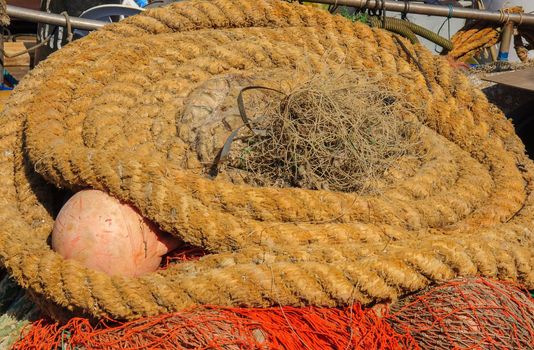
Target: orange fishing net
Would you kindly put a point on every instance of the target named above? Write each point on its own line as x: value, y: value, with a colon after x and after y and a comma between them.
x: 226, y: 328
x: 462, y: 314
x: 181, y: 254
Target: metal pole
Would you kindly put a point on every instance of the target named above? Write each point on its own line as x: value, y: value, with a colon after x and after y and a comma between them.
x: 436, y: 10
x: 507, y: 34
x: 52, y: 18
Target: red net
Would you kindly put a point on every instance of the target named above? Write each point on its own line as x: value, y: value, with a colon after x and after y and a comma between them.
x: 182, y: 254
x: 462, y: 314
x: 468, y: 314
x: 226, y: 328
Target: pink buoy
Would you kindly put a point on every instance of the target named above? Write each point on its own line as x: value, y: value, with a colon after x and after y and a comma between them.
x: 104, y: 234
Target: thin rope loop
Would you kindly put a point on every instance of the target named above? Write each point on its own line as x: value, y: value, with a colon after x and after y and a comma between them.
x: 414, y: 60
x: 504, y: 15
x: 69, y: 26
x: 404, y: 13
x: 520, y: 19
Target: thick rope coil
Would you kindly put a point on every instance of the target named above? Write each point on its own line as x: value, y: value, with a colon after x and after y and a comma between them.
x: 122, y: 110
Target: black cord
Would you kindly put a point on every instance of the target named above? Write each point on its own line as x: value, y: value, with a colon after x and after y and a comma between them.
x: 332, y: 8
x: 378, y: 7
x: 247, y: 122
x: 417, y: 63
x: 365, y: 7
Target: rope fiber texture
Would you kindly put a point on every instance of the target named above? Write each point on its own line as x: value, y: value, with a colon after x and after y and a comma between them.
x: 4, y: 17
x: 133, y: 109
x: 476, y: 36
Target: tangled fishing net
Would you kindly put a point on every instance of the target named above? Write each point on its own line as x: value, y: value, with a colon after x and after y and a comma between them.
x: 471, y: 313
x: 338, y: 131
x: 227, y: 328
x: 468, y: 314
x: 140, y: 109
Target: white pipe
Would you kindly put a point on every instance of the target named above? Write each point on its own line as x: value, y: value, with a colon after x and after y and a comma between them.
x: 52, y: 18
x: 436, y: 10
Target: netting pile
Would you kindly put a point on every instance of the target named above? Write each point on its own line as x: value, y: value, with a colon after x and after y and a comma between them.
x: 473, y: 313
x: 227, y: 328
x: 339, y: 131
x: 468, y: 314
x: 141, y: 108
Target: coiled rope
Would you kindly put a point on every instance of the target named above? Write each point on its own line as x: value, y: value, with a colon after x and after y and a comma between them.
x: 117, y: 111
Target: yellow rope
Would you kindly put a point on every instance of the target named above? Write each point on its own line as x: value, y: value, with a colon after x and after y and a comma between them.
x: 4, y: 18
x: 117, y: 111
x: 478, y: 35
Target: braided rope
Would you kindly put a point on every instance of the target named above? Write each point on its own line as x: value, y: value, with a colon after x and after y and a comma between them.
x: 122, y: 120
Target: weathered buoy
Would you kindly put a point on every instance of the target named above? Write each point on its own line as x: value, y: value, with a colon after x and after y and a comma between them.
x: 104, y: 234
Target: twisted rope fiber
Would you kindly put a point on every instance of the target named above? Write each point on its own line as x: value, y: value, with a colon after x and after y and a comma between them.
x: 4, y: 17
x: 477, y: 35
x: 132, y: 121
